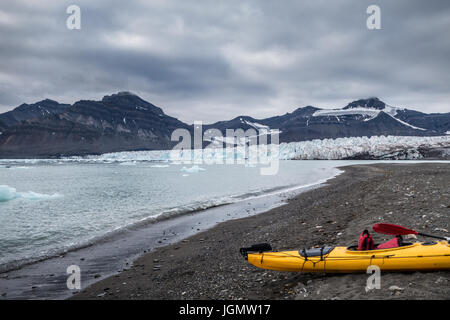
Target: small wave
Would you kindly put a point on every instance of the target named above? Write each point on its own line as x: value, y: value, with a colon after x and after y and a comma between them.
x: 14, y: 167
x: 8, y: 193
x: 65, y: 248
x: 128, y: 163
x: 225, y: 200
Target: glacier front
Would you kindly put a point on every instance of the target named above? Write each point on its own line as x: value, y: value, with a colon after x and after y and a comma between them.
x: 376, y: 147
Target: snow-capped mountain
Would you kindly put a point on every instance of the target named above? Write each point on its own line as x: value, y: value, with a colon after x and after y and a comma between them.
x: 125, y: 122
x: 365, y: 117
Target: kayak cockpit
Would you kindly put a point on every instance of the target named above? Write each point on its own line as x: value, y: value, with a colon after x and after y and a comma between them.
x: 403, y: 246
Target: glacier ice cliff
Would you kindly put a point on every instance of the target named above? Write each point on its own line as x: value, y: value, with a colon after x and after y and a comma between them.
x: 376, y: 147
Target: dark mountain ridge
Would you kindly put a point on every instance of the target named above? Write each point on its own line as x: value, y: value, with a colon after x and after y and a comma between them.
x: 118, y: 122
x: 125, y: 122
x: 31, y: 111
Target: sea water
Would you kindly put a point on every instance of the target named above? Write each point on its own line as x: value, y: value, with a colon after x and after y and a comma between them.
x: 52, y: 206
x: 47, y: 207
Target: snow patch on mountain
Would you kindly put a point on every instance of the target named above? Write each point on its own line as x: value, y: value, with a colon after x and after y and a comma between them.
x: 255, y: 125
x: 261, y: 128
x: 368, y: 113
x: 407, y: 124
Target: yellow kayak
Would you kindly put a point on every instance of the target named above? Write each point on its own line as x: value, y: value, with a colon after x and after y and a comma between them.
x: 420, y: 256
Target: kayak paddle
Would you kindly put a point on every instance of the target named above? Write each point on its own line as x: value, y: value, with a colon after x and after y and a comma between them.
x: 392, y: 229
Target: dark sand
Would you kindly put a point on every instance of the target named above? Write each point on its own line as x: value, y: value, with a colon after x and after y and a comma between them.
x: 209, y: 266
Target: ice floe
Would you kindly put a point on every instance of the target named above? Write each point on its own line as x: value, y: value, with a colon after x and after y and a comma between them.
x: 8, y: 193
x: 193, y: 169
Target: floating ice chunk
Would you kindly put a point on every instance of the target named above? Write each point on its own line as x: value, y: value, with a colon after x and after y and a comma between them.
x: 160, y: 166
x: 193, y: 169
x: 8, y: 193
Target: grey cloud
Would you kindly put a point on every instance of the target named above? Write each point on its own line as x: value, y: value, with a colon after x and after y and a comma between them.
x: 213, y: 60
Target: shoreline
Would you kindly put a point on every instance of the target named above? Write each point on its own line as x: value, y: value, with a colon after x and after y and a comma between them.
x: 124, y: 254
x: 208, y: 265
x: 116, y: 252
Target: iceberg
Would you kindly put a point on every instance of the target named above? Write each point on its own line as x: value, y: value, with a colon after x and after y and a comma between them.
x: 8, y: 193
x: 193, y: 169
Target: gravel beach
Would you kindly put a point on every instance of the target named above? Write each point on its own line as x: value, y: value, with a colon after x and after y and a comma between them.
x: 209, y: 266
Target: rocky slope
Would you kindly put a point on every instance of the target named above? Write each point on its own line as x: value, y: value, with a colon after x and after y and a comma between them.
x: 30, y: 111
x: 118, y: 122
x: 365, y: 117
x: 125, y: 122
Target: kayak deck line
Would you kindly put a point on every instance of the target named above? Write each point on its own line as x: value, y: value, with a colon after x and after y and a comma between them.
x: 392, y: 256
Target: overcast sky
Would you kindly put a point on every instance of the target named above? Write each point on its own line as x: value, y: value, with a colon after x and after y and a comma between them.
x: 213, y: 60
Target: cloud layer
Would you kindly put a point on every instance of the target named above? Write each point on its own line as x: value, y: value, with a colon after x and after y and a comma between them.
x: 214, y: 60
